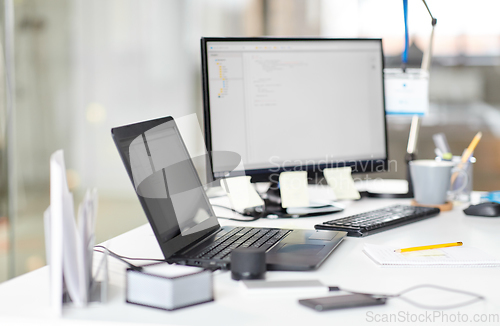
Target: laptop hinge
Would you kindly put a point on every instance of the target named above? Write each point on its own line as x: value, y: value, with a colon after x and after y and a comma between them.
x: 198, y: 242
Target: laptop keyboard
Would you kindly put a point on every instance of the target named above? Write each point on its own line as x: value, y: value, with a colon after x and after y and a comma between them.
x: 242, y: 237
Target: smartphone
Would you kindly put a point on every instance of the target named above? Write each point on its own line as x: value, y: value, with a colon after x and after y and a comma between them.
x: 342, y: 301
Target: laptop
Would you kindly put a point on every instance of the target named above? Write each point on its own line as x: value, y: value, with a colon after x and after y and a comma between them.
x: 181, y: 216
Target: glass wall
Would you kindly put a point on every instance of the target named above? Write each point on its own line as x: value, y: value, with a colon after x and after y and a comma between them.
x: 85, y: 66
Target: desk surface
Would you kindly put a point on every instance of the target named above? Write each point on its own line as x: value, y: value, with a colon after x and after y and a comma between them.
x: 26, y: 298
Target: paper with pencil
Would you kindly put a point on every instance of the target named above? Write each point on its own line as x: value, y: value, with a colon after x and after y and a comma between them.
x: 459, y: 256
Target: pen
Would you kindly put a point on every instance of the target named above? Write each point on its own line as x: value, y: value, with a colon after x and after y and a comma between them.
x: 442, y: 145
x: 444, y: 245
x: 466, y: 155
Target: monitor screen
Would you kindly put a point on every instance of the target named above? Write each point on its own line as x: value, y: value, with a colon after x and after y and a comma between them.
x: 294, y: 104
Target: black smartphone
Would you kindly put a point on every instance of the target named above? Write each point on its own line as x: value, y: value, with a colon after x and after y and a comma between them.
x: 342, y: 301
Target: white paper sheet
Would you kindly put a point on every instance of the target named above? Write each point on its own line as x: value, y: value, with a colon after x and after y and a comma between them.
x: 462, y: 256
x: 69, y: 250
x: 57, y: 186
x: 86, y: 227
x: 72, y: 255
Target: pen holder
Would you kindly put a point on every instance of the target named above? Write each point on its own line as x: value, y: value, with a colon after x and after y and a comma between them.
x: 458, y: 191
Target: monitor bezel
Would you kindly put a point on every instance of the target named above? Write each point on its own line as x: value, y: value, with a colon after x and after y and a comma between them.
x: 314, y: 170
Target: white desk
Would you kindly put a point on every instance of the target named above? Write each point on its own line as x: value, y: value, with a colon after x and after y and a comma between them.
x: 25, y: 299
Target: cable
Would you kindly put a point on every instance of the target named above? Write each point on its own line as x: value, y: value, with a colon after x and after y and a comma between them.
x: 122, y: 258
x: 229, y: 208
x: 239, y: 219
x: 416, y: 304
x: 272, y: 215
x: 125, y: 257
x: 253, y: 218
x: 139, y: 268
x: 216, y: 196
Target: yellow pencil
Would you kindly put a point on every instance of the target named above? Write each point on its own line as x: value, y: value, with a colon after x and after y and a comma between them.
x: 466, y: 155
x: 444, y: 245
x: 472, y: 146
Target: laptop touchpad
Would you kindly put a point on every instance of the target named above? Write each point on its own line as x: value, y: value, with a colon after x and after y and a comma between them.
x: 301, y: 249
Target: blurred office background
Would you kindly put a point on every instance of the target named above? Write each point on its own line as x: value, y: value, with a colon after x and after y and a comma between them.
x: 85, y: 66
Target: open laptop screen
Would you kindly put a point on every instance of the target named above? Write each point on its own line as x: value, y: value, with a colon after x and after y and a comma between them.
x: 166, y: 182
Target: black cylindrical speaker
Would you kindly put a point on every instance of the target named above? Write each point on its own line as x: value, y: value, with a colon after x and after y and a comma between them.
x: 248, y: 264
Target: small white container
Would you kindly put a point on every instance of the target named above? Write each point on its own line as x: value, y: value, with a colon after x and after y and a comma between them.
x: 169, y: 287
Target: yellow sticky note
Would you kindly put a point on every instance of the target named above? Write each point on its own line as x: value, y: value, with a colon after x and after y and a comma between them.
x: 341, y: 182
x: 293, y: 189
x: 241, y: 193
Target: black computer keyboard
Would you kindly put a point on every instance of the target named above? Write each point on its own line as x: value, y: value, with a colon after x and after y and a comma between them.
x: 379, y: 220
x: 242, y: 237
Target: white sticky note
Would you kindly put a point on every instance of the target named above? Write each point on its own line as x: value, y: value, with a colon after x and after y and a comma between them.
x: 241, y: 193
x: 341, y: 182
x: 293, y: 188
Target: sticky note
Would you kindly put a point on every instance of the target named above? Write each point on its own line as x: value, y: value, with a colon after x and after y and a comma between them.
x: 241, y: 193
x: 293, y: 188
x: 341, y: 182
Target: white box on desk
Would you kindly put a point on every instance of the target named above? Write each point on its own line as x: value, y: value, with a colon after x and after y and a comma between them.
x: 169, y: 287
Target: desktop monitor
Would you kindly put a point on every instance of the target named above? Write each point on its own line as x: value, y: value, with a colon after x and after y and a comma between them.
x: 288, y: 104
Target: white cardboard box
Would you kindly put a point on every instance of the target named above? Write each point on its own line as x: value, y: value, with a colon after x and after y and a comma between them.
x: 169, y: 287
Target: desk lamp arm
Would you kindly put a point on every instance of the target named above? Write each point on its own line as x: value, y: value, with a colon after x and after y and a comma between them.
x: 426, y: 60
x: 411, y: 150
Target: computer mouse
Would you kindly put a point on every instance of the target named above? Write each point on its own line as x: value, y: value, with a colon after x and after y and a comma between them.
x: 488, y: 209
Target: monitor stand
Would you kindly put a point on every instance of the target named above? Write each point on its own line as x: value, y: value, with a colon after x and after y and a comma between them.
x: 272, y: 207
x: 409, y: 194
